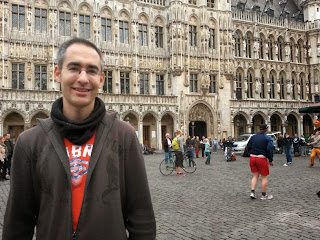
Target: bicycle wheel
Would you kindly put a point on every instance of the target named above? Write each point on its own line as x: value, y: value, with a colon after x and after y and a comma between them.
x: 189, y: 168
x: 166, y: 168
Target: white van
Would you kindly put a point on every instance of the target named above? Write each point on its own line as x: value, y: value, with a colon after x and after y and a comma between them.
x: 241, y: 142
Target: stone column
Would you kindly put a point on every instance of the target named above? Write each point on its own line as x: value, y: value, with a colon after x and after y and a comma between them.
x: 300, y: 126
x: 140, y: 131
x: 159, y: 134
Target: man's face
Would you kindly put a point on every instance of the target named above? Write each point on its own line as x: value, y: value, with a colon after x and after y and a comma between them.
x: 2, y: 140
x: 79, y: 89
x: 7, y: 137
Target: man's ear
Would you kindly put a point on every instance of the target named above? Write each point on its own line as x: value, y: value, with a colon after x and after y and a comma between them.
x: 57, y: 73
x: 101, y: 80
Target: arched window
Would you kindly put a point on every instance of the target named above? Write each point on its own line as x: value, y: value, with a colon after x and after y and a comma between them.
x: 237, y: 42
x: 106, y: 26
x: 193, y: 35
x: 65, y: 19
x: 263, y: 85
x: 282, y: 85
x: 302, y: 86
x: 250, y: 85
x: 293, y: 85
x: 272, y: 86
x: 84, y: 22
x: 300, y: 51
x: 270, y: 48
x: 239, y: 84
x: 292, y: 51
x: 249, y: 42
x: 262, y: 47
x: 280, y: 49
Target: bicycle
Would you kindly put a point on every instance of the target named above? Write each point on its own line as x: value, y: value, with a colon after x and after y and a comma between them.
x: 188, y: 165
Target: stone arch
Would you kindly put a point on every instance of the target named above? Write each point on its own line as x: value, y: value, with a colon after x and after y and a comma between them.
x: 86, y: 8
x: 13, y: 122
x: 9, y: 111
x: 143, y: 18
x: 240, y: 123
x: 65, y: 5
x: 149, y: 121
x: 153, y: 113
x: 106, y: 11
x: 124, y: 15
x: 42, y: 3
x: 37, y: 114
x: 258, y: 118
x: 201, y: 113
x: 167, y: 124
x: 213, y: 22
x: 194, y: 19
x: 173, y: 115
x: 133, y: 112
x: 307, y: 128
x: 159, y: 20
x: 293, y: 123
x: 131, y: 117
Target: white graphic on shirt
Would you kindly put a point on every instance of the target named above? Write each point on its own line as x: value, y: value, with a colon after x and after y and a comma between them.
x: 79, y: 167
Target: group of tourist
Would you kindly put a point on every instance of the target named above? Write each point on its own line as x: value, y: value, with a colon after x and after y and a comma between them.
x: 6, y: 151
x: 299, y: 146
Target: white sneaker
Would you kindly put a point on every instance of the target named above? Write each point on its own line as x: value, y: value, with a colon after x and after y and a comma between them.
x: 253, y: 195
x: 285, y: 165
x: 266, y: 197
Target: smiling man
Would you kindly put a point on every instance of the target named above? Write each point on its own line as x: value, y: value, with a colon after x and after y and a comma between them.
x: 80, y: 174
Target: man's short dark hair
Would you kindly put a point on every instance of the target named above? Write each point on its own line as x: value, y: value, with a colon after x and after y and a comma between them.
x: 64, y: 46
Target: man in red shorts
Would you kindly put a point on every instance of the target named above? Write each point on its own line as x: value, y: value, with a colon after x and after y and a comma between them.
x: 260, y: 147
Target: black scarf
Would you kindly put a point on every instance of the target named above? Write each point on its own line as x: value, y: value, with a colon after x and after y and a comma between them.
x: 78, y: 132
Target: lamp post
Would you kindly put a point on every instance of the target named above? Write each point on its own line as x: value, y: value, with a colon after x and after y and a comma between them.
x: 192, y: 128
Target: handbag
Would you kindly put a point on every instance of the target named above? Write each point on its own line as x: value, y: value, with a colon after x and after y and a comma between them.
x: 233, y: 157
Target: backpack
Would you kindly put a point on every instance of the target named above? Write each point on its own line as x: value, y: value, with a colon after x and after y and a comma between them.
x: 175, y: 144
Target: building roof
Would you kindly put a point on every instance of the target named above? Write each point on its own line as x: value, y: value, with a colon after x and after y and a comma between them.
x: 289, y: 8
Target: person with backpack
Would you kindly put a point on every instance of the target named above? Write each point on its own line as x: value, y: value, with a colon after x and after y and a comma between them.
x: 177, y: 146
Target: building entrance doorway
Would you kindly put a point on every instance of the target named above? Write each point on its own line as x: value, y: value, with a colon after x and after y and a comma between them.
x: 198, y: 128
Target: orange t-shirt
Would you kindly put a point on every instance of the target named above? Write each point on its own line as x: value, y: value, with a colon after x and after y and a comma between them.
x: 79, y: 158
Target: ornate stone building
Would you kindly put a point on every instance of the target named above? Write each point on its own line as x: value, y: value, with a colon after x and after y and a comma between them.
x: 213, y: 68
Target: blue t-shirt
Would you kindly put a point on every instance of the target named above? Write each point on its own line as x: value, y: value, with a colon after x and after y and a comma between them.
x: 207, y: 145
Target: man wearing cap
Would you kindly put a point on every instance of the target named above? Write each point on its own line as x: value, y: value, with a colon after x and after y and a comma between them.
x: 260, y: 147
x: 315, y: 141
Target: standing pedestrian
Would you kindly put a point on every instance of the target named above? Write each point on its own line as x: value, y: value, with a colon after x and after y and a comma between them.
x: 207, y: 150
x: 303, y: 145
x: 296, y: 145
x: 280, y: 143
x: 167, y: 142
x: 197, y: 146
x: 215, y: 145
x: 179, y: 153
x: 287, y: 145
x: 3, y: 160
x: 80, y: 174
x: 9, y: 145
x: 202, y: 145
x: 315, y: 142
x: 261, y: 150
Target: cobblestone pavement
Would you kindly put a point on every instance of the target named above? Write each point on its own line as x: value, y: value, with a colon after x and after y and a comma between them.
x: 214, y: 202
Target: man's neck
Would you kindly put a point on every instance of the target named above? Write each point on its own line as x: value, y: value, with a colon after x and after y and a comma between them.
x: 77, y: 115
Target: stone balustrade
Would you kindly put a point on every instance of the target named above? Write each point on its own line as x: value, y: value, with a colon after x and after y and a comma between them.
x: 50, y: 96
x: 267, y: 20
x: 263, y: 104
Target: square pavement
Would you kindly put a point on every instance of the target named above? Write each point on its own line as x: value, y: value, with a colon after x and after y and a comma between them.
x: 214, y: 203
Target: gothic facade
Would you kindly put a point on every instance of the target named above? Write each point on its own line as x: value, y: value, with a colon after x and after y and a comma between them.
x: 206, y: 67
